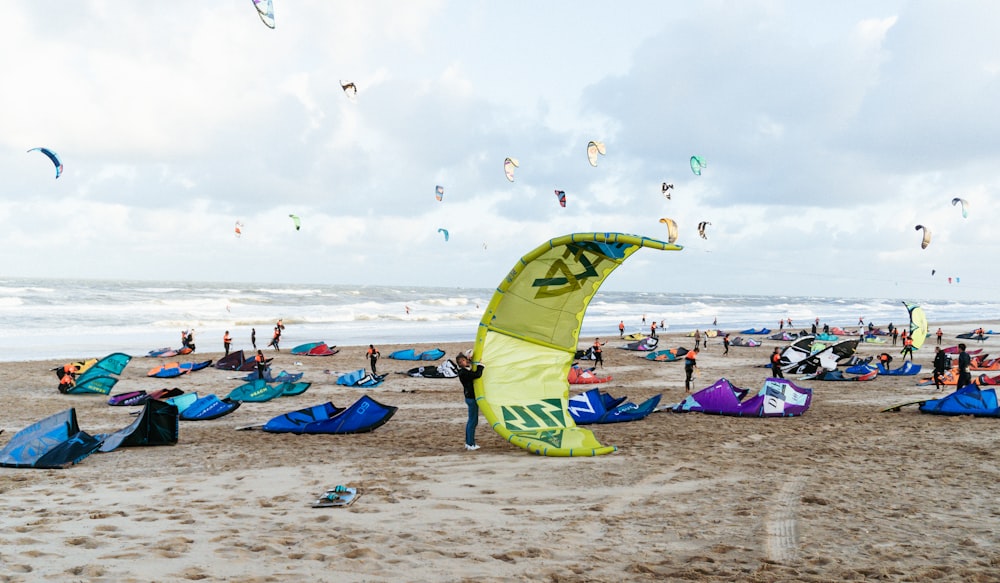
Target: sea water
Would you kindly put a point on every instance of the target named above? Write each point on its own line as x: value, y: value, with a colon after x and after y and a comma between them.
x: 43, y: 319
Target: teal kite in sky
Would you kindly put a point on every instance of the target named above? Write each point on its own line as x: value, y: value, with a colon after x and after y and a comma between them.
x: 52, y: 156
x: 697, y: 163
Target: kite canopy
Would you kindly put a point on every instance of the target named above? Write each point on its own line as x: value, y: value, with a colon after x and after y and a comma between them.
x: 918, y: 324
x: 445, y: 232
x: 509, y: 165
x: 697, y: 163
x: 297, y: 221
x: 561, y: 197
x: 926, y: 240
x: 52, y: 156
x: 671, y: 229
x: 529, y: 333
x: 593, y: 149
x: 265, y: 9
x: 965, y: 206
x: 439, y: 192
x: 350, y: 90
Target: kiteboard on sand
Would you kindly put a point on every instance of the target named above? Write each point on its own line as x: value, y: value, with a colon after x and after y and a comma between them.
x: 901, y: 405
x: 338, y: 496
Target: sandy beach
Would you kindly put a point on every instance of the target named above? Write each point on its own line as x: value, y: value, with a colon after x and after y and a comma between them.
x: 844, y: 492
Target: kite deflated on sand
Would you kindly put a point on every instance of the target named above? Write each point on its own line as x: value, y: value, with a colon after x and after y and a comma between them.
x: 528, y: 338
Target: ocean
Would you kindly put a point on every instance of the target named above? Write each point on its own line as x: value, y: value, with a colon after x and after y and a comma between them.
x: 42, y: 319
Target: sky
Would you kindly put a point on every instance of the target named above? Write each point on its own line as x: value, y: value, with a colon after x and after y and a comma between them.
x: 830, y: 130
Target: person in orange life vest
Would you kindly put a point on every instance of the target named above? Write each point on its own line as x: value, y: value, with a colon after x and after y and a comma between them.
x: 776, y: 364
x: 908, y: 348
x: 621, y: 328
x: 373, y: 355
x: 690, y: 365
x: 226, y: 342
x: 67, y: 382
x: 598, y: 358
x: 261, y: 364
x: 276, y: 338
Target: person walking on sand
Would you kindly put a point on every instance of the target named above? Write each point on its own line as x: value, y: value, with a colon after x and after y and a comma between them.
x: 621, y: 328
x: 725, y: 343
x: 598, y: 357
x: 697, y: 337
x: 227, y: 341
x: 690, y: 366
x: 372, y: 355
x: 781, y: 324
x: 276, y: 339
x: 253, y: 338
x: 467, y: 377
x: 964, y: 365
x: 776, y: 364
x: 940, y: 364
x: 939, y: 334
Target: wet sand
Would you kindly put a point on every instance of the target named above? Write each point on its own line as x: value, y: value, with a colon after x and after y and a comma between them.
x: 844, y: 492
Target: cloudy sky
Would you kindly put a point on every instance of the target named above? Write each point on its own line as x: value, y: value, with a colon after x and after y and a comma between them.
x: 830, y: 131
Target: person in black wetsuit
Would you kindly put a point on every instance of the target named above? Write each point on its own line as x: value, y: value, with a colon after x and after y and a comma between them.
x: 467, y: 376
x: 964, y: 366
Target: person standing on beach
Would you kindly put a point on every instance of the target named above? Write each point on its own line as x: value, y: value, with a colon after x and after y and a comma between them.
x: 895, y: 335
x: 776, y: 364
x: 652, y: 329
x: 781, y: 324
x: 907, y: 348
x: 725, y: 343
x: 253, y: 338
x: 226, y: 342
x: 939, y: 334
x: 373, y: 355
x: 697, y: 337
x: 598, y: 357
x: 940, y: 364
x: 621, y: 328
x: 261, y: 363
x: 789, y: 323
x: 964, y: 365
x: 467, y: 377
x: 690, y: 366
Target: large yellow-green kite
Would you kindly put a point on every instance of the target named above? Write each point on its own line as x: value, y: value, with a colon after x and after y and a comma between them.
x: 528, y: 339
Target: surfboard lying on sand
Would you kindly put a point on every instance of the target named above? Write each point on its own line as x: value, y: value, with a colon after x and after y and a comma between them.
x: 901, y: 405
x: 338, y: 496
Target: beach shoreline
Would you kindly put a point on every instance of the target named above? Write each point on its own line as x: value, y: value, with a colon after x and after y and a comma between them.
x: 843, y: 492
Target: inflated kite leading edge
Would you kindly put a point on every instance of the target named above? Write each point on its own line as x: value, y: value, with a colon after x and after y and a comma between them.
x: 528, y: 339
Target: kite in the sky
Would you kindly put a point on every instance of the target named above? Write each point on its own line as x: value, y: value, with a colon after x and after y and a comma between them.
x: 445, y: 231
x: 593, y: 149
x: 350, y: 90
x: 701, y: 229
x: 561, y: 195
x: 265, y: 9
x: 508, y: 168
x: 439, y: 192
x: 965, y: 206
x: 297, y: 221
x: 52, y: 156
x: 933, y: 271
x: 697, y: 163
x: 927, y: 236
x: 671, y: 229
x: 238, y: 228
x: 666, y: 189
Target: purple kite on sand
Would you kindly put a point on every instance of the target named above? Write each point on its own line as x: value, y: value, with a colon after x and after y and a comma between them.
x: 777, y: 398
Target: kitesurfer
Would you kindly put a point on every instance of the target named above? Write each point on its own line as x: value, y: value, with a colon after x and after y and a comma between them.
x: 907, y: 348
x: 253, y: 338
x: 261, y: 364
x: 690, y: 365
x: 652, y: 329
x: 964, y: 364
x: 190, y: 340
x: 884, y: 359
x: 895, y: 335
x: 226, y: 342
x: 372, y: 355
x: 940, y: 364
x: 467, y: 376
x: 598, y: 358
x: 781, y: 324
x: 621, y: 328
x: 939, y: 334
x: 776, y: 364
x: 725, y: 343
x: 276, y: 338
